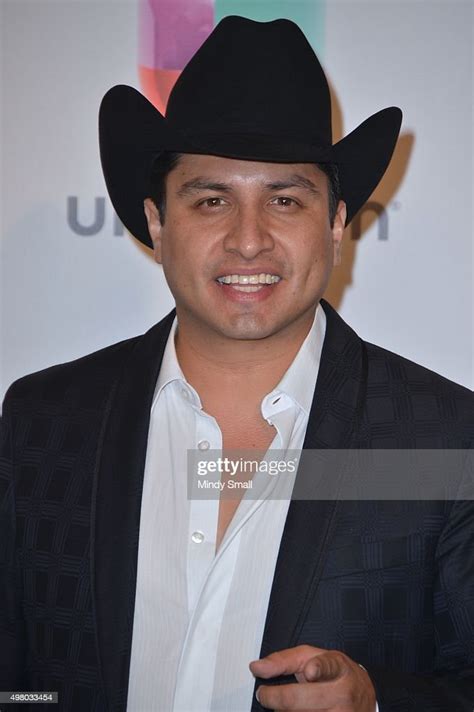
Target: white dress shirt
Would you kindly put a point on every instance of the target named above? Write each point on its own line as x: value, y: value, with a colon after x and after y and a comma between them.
x: 199, y: 615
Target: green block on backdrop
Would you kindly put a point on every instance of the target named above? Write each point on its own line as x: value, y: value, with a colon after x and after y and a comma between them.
x: 308, y: 14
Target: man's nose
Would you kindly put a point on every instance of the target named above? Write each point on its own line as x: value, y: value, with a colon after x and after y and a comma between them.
x: 249, y: 234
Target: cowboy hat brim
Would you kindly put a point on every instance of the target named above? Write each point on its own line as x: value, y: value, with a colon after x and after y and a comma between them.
x: 132, y: 133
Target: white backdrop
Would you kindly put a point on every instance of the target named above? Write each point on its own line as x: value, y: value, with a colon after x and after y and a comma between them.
x: 405, y: 284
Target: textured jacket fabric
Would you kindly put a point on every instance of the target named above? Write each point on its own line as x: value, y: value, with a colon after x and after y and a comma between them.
x: 390, y: 583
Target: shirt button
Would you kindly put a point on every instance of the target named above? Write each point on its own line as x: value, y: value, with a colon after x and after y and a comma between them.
x: 197, y: 537
x: 203, y: 445
x: 185, y: 394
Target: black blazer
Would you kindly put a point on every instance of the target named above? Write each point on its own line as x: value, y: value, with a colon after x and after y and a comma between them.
x: 389, y: 583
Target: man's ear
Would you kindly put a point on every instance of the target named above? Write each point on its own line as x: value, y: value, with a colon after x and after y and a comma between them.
x: 152, y: 215
x: 338, y: 231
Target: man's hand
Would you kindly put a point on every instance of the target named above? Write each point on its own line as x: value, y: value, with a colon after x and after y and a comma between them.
x: 327, y: 680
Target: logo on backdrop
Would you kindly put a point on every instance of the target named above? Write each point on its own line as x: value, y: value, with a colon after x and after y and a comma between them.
x: 97, y: 224
x: 170, y: 32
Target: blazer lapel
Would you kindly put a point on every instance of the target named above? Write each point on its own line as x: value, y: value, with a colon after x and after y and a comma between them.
x: 116, y: 509
x: 337, y: 402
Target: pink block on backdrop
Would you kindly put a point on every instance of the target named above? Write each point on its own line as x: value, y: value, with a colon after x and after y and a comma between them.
x: 170, y: 32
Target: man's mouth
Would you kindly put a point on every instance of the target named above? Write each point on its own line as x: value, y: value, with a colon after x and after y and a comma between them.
x: 249, y: 282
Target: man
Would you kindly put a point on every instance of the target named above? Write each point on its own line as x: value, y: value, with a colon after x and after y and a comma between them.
x: 124, y: 593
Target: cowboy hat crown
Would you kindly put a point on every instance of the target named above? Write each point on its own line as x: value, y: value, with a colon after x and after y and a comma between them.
x: 254, y: 91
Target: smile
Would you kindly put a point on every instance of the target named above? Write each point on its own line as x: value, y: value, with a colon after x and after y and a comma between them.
x: 249, y: 282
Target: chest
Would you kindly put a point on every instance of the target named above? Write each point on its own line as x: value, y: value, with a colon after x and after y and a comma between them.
x: 257, y: 435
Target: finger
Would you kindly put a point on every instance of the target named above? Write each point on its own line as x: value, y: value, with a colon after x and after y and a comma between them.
x: 284, y: 662
x: 301, y: 696
x: 326, y: 666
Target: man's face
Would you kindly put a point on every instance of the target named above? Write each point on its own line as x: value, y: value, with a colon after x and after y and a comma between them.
x: 263, y: 227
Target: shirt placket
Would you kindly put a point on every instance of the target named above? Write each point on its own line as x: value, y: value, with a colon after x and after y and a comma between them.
x: 196, y: 668
x: 203, y: 513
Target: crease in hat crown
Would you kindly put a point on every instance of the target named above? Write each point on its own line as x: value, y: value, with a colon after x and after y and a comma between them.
x: 254, y: 91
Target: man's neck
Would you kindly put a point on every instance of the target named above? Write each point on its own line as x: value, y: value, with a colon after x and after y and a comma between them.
x: 237, y: 371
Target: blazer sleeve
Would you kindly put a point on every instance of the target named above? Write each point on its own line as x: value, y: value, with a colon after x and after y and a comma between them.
x: 451, y: 686
x: 12, y: 632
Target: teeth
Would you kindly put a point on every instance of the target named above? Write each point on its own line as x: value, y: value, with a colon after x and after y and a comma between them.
x: 253, y: 279
x: 248, y: 287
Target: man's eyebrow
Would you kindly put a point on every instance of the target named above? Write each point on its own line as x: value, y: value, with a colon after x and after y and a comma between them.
x: 196, y: 184
x: 202, y: 183
x: 294, y: 181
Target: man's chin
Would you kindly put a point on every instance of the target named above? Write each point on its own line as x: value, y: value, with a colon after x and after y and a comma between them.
x: 249, y: 329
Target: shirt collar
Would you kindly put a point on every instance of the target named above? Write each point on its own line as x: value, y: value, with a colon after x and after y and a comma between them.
x: 299, y: 380
x: 294, y: 383
x: 170, y: 371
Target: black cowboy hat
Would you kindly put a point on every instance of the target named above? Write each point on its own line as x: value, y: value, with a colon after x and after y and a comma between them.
x: 255, y: 91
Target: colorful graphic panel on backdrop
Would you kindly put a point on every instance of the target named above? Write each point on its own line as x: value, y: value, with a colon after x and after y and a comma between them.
x: 170, y: 32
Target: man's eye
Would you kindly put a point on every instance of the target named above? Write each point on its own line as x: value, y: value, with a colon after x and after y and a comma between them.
x: 212, y: 202
x: 283, y: 201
